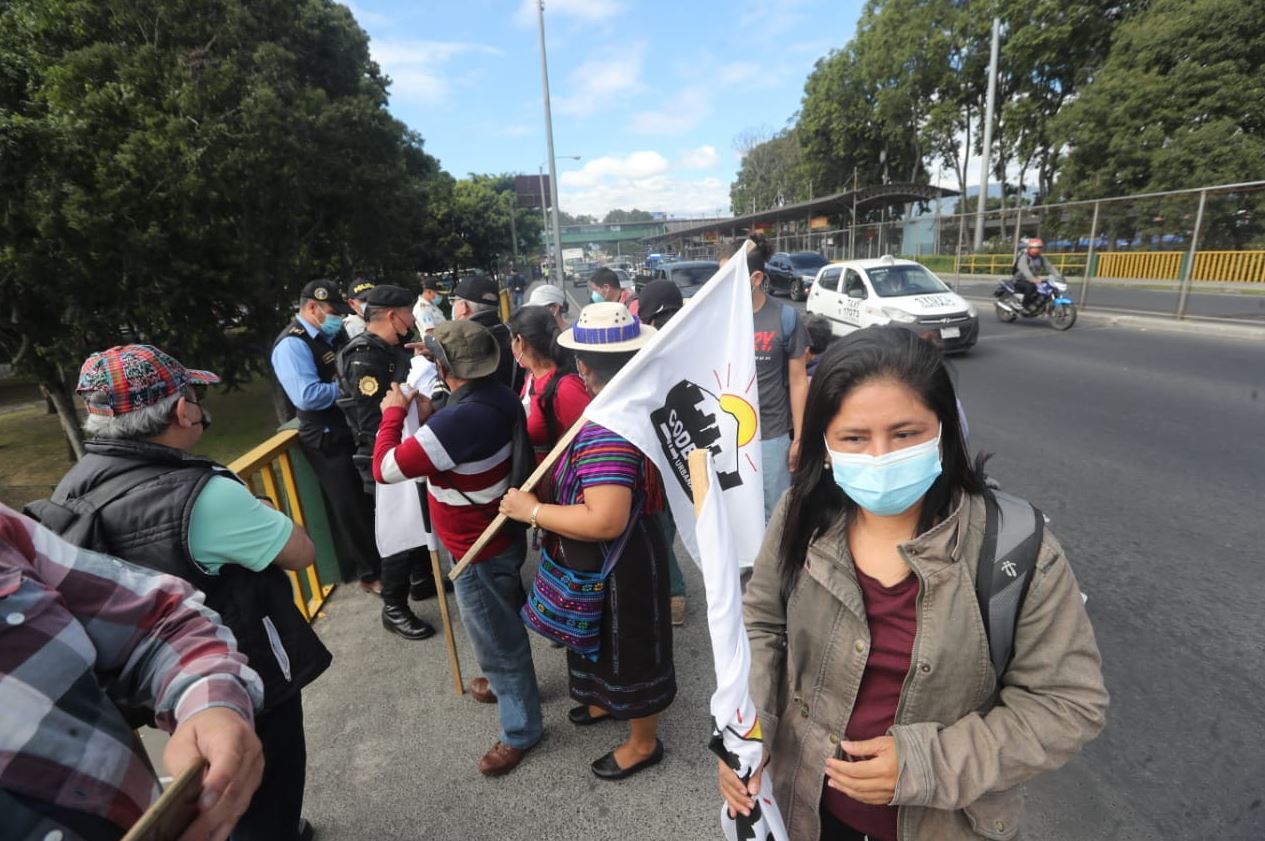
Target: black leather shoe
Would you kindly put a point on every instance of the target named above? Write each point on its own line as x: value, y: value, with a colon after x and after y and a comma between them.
x: 423, y: 589
x: 306, y: 832
x: 608, y: 769
x: 402, y: 621
x: 580, y: 717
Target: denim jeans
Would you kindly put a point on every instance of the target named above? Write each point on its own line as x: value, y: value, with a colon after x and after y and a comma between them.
x: 490, y: 594
x: 777, y: 475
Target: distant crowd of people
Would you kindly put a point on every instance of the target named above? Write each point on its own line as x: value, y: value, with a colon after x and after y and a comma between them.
x: 152, y: 588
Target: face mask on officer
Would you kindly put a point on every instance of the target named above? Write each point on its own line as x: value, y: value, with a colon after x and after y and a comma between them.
x: 330, y: 323
x: 407, y: 336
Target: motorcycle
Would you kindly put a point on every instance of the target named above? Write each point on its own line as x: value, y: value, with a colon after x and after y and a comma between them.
x: 1051, y: 300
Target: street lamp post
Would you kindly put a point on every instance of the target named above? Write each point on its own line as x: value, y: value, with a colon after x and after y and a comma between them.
x: 557, y: 228
x: 553, y: 167
x: 544, y: 213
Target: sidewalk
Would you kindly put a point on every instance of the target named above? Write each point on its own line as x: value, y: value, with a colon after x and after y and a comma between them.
x: 392, y: 752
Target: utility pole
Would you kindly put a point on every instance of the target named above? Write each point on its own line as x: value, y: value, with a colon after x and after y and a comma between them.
x: 852, y: 233
x: 544, y: 214
x: 514, y: 228
x: 988, y: 134
x: 553, y: 166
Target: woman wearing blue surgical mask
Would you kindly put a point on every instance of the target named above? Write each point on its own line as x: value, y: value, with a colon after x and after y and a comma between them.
x: 881, y: 708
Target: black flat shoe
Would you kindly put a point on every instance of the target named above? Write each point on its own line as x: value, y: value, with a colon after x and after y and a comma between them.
x: 579, y: 716
x: 608, y: 769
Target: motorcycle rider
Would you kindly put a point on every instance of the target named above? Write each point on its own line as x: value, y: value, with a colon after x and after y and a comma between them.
x: 1028, y: 269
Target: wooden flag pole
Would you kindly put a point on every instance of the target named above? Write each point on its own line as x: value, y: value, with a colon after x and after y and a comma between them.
x: 454, y: 664
x: 539, y: 473
x: 698, y: 478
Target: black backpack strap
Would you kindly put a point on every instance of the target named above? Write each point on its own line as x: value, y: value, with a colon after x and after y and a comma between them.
x: 1013, y: 532
x: 546, y: 405
x: 59, y: 513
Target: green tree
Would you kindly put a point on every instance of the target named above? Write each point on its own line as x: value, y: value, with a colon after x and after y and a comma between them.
x: 174, y: 170
x: 618, y: 216
x: 772, y: 171
x: 565, y: 218
x: 479, y: 233
x: 1180, y: 102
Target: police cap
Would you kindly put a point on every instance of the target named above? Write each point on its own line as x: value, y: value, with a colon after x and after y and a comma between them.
x: 387, y: 296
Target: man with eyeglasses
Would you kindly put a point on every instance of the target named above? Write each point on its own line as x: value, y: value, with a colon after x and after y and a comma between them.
x: 151, y: 501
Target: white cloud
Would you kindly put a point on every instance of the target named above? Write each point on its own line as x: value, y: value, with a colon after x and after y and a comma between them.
x: 704, y: 157
x: 599, y: 82
x: 367, y: 18
x: 677, y: 196
x: 638, y: 165
x: 418, y: 68
x: 736, y: 74
x: 647, y: 181
x: 683, y: 112
x: 585, y: 10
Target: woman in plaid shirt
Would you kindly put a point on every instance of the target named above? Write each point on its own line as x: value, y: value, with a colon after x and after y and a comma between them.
x: 80, y: 632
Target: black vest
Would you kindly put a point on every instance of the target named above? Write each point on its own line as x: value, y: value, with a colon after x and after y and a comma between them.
x: 367, y: 366
x: 508, y: 373
x: 149, y: 526
x: 313, y: 425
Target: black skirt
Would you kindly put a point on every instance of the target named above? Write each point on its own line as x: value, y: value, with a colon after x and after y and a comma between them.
x: 634, y: 675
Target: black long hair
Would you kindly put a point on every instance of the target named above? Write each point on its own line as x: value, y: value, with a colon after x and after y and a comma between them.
x: 889, y: 353
x: 539, y: 329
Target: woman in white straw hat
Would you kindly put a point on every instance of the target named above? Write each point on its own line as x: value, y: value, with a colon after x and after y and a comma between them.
x: 602, y: 490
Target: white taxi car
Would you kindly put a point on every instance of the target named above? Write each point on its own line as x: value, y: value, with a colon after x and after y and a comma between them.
x: 860, y: 293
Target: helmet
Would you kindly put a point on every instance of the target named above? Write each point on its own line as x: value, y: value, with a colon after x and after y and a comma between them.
x: 1035, y: 242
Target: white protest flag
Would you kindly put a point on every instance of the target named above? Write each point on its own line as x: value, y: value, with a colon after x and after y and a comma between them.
x: 399, y: 523
x: 694, y: 387
x: 737, y: 738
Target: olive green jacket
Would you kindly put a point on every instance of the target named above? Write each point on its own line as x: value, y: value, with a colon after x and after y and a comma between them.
x: 963, y: 749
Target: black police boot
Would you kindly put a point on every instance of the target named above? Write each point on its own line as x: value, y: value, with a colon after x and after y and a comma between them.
x: 400, y: 620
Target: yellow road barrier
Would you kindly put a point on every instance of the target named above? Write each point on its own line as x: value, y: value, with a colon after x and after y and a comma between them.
x: 1229, y: 266
x: 261, y: 468
x: 1140, y: 265
x: 999, y: 264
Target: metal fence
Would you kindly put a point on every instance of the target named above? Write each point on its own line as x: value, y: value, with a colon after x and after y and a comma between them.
x: 1192, y: 254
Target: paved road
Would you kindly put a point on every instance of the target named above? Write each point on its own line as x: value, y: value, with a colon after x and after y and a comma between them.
x: 1144, y: 447
x: 1246, y: 302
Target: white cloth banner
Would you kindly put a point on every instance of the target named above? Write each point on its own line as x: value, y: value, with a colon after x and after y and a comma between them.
x: 733, y: 712
x: 694, y: 386
x: 398, y: 523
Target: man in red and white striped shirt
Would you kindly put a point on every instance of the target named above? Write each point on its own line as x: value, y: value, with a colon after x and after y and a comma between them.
x: 80, y: 632
x: 464, y: 451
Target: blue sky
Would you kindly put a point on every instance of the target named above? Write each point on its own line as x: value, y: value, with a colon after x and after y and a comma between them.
x: 652, y: 94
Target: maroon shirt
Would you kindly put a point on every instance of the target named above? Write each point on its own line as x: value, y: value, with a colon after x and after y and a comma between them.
x: 891, y: 613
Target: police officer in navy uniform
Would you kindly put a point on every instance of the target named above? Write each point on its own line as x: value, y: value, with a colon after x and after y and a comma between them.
x: 367, y: 366
x: 303, y: 361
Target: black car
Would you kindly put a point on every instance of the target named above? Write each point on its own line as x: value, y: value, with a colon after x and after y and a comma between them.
x: 792, y: 273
